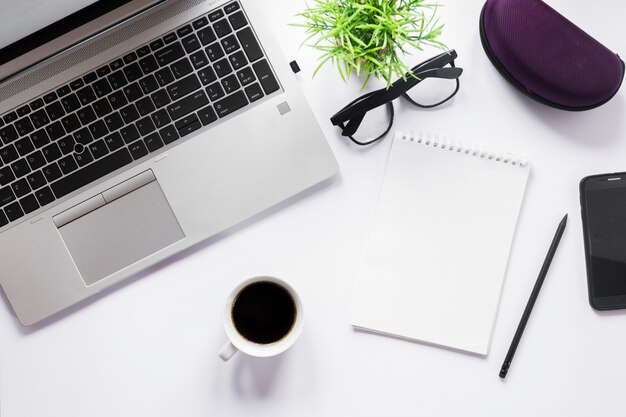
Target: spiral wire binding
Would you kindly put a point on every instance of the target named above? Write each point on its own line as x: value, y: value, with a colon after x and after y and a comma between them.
x: 454, y: 145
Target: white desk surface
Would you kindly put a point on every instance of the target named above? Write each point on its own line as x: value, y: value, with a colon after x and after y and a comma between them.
x: 149, y: 347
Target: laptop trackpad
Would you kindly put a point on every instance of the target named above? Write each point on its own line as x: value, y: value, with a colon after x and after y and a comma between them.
x: 121, y: 233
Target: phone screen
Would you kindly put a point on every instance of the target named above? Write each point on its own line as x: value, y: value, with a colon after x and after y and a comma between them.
x: 604, y: 217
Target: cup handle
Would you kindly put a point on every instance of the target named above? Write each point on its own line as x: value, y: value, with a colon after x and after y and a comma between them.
x: 227, y: 351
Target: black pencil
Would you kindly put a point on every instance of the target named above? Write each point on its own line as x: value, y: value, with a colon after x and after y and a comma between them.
x: 533, y: 298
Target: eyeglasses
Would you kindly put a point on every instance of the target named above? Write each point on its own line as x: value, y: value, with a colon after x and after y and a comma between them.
x: 349, y: 118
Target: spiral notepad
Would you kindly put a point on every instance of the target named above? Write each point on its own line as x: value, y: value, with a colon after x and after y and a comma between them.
x: 439, y: 246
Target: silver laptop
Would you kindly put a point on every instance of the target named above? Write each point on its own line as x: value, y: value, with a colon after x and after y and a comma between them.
x: 133, y: 129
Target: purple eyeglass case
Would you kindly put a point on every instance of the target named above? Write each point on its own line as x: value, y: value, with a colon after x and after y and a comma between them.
x: 547, y: 57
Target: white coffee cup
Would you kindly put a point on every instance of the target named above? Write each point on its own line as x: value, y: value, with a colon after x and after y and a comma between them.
x: 237, y: 342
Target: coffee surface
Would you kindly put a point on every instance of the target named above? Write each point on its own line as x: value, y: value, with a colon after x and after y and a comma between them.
x: 264, y: 312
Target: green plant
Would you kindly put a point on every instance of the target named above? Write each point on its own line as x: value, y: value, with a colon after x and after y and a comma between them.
x: 368, y: 36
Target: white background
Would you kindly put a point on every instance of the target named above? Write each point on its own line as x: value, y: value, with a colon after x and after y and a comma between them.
x: 149, y: 347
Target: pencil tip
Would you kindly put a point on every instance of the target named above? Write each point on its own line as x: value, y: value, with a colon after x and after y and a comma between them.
x: 565, y: 218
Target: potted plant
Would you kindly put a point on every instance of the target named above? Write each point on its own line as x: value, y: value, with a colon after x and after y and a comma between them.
x: 368, y: 37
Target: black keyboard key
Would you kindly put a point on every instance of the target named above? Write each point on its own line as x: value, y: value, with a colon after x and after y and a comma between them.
x: 83, y: 136
x: 55, y: 111
x: 181, y: 68
x: 8, y: 134
x: 68, y: 164
x: 161, y: 98
x: 6, y: 176
x: 37, y: 104
x: 70, y: 103
x: 216, y: 15
x: 231, y: 7
x: 184, y: 31
x: 149, y: 64
x: 222, y: 28
x: 55, y: 131
x: 114, y: 141
x: 207, y: 36
x: 138, y: 149
x: 39, y: 119
x: 207, y: 75
x: 20, y: 188
x: 230, y: 84
x: 149, y: 84
x: 191, y: 127
x: 14, y: 211
x: 215, y: 91
x: 157, y: 44
x: 200, y: 23
x: 169, y: 38
x: 246, y: 76
x: 117, y: 64
x: 230, y: 44
x: 130, y: 133
x: 160, y: 118
x: 133, y: 72
x: 250, y: 44
x: 10, y: 117
x: 86, y: 115
x: 143, y: 51
x: 63, y: 91
x: 230, y: 104
x: 237, y: 20
x: 24, y: 146
x: 66, y: 144
x: 23, y: 111
x: 29, y: 204
x: 89, y: 78
x: 238, y: 60
x: 52, y: 172
x: 8, y: 154
x: 24, y: 126
x: 48, y: 98
x: 199, y: 59
x: 183, y: 87
x: 214, y: 51
x: 191, y: 43
x: 153, y: 142
x: 76, y: 84
x: 83, y: 158
x: 6, y: 196
x: 265, y: 76
x: 133, y: 92
x: 170, y: 54
x: 103, y: 71
x: 36, y: 180
x: 187, y: 105
x: 3, y: 219
x: 40, y: 138
x: 222, y: 68
x: 118, y: 100
x: 114, y: 121
x: 145, y: 106
x: 254, y: 92
x: 20, y: 168
x: 102, y: 107
x: 169, y: 134
x: 98, y: 129
x: 85, y: 96
x: 130, y: 57
x: 145, y: 126
x: 98, y: 149
x: 207, y: 115
x: 51, y: 152
x: 129, y: 113
x: 71, y: 123
x: 117, y: 80
x: 44, y: 196
x: 102, y: 87
x: 164, y: 76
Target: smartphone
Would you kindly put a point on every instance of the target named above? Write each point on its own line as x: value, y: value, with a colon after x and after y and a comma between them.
x: 603, y: 207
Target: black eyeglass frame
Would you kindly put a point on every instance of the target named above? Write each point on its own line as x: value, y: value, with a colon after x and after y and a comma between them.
x: 350, y: 117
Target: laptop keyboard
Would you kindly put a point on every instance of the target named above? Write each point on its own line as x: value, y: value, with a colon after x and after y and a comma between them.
x: 133, y: 106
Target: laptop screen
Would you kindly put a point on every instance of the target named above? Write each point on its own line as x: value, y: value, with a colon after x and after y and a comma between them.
x: 35, y: 22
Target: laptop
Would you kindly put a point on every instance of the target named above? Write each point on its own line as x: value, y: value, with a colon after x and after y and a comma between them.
x: 133, y: 129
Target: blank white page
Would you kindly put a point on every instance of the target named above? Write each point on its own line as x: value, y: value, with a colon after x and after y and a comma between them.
x: 439, y: 246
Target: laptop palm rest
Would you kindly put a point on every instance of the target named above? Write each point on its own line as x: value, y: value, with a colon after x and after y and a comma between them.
x: 121, y: 231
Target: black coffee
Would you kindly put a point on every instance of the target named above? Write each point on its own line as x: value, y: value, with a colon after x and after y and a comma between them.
x: 264, y: 312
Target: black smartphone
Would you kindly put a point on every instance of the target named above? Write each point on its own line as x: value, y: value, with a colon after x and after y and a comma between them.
x: 603, y: 206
